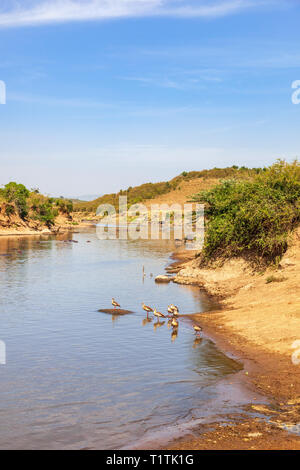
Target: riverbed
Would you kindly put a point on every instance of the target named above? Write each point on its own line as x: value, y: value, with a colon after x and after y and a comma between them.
x: 77, y: 378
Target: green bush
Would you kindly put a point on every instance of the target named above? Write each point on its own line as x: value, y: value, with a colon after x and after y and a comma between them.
x: 64, y: 205
x: 44, y: 212
x: 9, y: 210
x: 253, y: 217
x: 18, y: 194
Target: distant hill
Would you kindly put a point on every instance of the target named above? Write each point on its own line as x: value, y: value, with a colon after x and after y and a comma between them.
x: 85, y: 197
x: 178, y: 188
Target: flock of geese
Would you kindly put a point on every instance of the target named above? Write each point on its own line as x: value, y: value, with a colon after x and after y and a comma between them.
x: 172, y: 316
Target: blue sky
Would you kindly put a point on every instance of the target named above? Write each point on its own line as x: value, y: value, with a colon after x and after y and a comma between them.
x: 106, y: 94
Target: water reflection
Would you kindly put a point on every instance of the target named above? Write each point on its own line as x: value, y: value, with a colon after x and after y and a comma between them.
x: 115, y: 318
x: 146, y: 320
x: 158, y: 324
x: 197, y: 342
x: 70, y: 364
x: 174, y: 334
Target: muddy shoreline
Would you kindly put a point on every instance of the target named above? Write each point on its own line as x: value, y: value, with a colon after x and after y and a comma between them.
x: 268, y: 369
x: 57, y: 230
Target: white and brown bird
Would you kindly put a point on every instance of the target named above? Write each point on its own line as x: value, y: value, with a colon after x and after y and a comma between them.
x: 115, y: 303
x: 170, y: 309
x: 173, y: 309
x: 158, y: 314
x: 197, y: 329
x: 147, y: 308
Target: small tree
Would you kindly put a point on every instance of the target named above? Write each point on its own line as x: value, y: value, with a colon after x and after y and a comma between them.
x: 18, y: 194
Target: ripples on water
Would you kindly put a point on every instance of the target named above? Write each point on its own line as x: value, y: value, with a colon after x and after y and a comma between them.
x: 78, y: 378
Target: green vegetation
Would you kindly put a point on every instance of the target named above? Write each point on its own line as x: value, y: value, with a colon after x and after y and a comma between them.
x: 18, y: 200
x: 9, y: 210
x: 64, y: 205
x: 253, y: 217
x: 16, y: 194
x: 41, y: 208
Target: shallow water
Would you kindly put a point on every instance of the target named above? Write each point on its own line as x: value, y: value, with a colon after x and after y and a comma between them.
x: 78, y: 378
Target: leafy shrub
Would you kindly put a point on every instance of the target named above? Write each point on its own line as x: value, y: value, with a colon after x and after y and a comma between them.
x: 65, y: 205
x: 253, y: 217
x: 9, y: 210
x: 44, y: 212
x: 18, y: 194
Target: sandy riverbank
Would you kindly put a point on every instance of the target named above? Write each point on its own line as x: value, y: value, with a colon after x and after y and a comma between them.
x: 259, y: 322
x: 25, y: 229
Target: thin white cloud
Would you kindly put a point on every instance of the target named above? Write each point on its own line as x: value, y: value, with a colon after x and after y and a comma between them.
x: 184, y: 80
x: 15, y: 13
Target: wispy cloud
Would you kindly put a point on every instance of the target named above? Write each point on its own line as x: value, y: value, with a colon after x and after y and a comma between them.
x: 186, y: 80
x: 15, y: 13
x: 158, y: 82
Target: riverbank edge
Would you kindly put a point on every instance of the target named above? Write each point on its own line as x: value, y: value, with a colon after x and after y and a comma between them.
x: 57, y: 230
x: 269, y: 373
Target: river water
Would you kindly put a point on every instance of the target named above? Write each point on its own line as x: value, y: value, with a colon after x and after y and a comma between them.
x: 77, y: 378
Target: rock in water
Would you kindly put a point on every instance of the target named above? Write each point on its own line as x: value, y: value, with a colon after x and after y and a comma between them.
x: 164, y: 278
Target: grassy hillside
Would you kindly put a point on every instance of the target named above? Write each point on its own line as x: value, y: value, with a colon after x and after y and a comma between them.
x: 149, y: 191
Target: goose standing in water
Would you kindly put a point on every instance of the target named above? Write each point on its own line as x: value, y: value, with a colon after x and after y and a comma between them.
x: 173, y: 309
x: 114, y: 303
x: 147, y: 309
x: 170, y: 310
x: 197, y: 329
x: 158, y: 314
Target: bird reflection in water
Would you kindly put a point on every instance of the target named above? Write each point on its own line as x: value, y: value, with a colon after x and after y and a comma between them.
x: 115, y: 318
x: 146, y: 321
x: 197, y: 342
x: 157, y: 324
x: 174, y: 334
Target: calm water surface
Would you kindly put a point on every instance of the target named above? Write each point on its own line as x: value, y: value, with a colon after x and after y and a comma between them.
x: 78, y: 378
